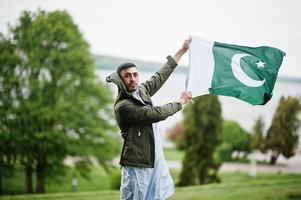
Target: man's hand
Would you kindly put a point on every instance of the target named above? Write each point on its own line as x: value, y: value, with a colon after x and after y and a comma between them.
x: 185, y: 46
x: 185, y: 97
x: 182, y: 50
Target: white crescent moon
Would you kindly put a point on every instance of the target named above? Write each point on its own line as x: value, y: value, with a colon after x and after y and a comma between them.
x: 240, y: 74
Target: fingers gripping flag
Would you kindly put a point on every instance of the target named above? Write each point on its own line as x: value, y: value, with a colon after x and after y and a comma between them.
x: 246, y: 73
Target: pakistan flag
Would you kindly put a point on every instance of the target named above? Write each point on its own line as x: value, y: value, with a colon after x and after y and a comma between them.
x: 246, y: 73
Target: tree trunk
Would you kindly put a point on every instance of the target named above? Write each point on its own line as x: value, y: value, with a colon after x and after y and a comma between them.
x: 40, y: 168
x: 28, y: 179
x: 274, y: 158
x: 203, y: 176
x: 186, y: 176
x: 0, y: 184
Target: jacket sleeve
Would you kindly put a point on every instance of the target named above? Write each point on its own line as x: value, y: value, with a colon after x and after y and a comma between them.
x: 159, y: 78
x: 130, y: 113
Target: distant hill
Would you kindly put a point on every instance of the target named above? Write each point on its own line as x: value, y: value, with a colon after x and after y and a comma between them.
x: 111, y: 62
x: 289, y: 79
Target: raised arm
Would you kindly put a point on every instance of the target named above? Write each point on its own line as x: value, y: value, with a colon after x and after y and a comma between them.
x: 159, y: 78
x: 182, y: 50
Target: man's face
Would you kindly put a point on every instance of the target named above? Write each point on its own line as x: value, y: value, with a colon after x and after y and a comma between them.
x: 130, y: 78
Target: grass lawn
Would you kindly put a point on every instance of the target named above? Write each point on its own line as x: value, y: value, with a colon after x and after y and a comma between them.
x: 173, y: 154
x: 234, y: 186
x: 241, y: 187
x: 98, y: 180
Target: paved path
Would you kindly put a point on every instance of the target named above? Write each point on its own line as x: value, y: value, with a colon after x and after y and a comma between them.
x: 292, y: 165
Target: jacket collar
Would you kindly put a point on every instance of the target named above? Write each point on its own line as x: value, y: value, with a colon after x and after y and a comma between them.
x: 116, y: 79
x: 123, y: 93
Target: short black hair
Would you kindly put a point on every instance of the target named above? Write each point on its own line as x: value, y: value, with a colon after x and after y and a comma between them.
x: 125, y: 66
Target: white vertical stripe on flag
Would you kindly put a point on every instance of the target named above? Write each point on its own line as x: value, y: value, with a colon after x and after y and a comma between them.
x: 201, y: 66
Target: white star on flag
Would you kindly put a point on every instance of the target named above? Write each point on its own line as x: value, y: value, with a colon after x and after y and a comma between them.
x: 260, y: 64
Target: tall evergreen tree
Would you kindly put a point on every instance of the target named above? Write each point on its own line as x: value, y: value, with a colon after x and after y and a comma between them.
x: 202, y: 126
x: 282, y: 136
x: 58, y: 107
x: 257, y: 140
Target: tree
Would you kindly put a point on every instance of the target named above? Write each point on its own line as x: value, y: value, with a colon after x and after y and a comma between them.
x: 202, y: 126
x: 58, y: 108
x: 8, y: 146
x: 174, y: 133
x: 233, y: 138
x: 282, y: 136
x: 257, y: 141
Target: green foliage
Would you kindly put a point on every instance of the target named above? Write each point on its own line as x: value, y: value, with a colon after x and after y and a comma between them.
x: 233, y: 138
x: 282, y: 136
x: 235, y: 135
x: 51, y: 103
x: 202, y: 125
x: 115, y: 178
x: 8, y: 147
x: 224, y: 152
x: 257, y: 141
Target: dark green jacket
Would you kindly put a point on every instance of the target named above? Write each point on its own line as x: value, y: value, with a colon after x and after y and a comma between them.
x: 135, y: 118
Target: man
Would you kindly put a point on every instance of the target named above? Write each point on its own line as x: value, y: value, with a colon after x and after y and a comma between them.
x: 145, y: 175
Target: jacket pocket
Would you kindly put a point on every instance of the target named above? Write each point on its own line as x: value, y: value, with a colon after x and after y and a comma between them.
x: 137, y: 147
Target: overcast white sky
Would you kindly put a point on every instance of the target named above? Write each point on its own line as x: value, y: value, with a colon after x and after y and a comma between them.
x: 150, y: 30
